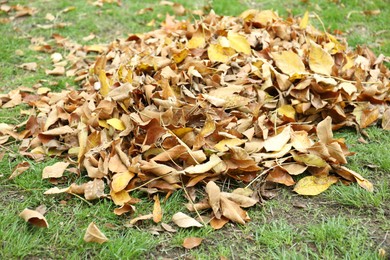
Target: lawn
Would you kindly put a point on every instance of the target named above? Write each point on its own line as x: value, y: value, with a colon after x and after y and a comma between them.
x: 344, y: 222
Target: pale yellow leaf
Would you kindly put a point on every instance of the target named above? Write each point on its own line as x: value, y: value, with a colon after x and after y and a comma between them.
x: 116, y: 123
x: 309, y: 159
x: 214, y: 197
x: 305, y: 20
x: 121, y: 180
x: 54, y: 171
x: 288, y: 62
x: 185, y: 221
x: 320, y: 61
x: 277, y: 142
x: 238, y: 42
x: 224, y: 144
x: 217, y: 53
x: 324, y: 130
x: 312, y: 185
x: 104, y: 87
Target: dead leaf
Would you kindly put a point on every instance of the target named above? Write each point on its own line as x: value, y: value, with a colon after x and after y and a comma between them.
x: 312, y: 185
x: 94, y: 235
x: 34, y: 217
x: 192, y: 242
x: 19, y: 169
x: 320, y: 61
x: 184, y: 221
x: 214, y: 197
x: 157, y: 211
x: 54, y: 171
x: 289, y: 62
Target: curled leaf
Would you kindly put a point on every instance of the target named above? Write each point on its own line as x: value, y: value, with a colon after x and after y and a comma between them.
x: 94, y: 235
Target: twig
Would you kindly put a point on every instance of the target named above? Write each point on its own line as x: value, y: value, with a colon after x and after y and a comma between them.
x: 78, y: 196
x: 191, y: 201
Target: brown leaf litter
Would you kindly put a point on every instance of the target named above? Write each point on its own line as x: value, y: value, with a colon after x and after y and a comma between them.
x: 253, y: 98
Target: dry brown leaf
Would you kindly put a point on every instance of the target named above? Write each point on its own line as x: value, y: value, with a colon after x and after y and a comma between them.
x: 54, y: 171
x: 34, y: 217
x: 94, y: 235
x: 232, y: 211
x: 277, y: 142
x: 214, y: 197
x: 157, y: 211
x: 289, y: 62
x: 19, y: 169
x: 192, y: 242
x: 185, y: 221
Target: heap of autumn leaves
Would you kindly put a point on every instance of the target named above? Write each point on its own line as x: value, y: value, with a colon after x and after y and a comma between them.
x: 253, y: 98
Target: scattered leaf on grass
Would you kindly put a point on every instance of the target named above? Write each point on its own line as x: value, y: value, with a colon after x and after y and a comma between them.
x: 93, y: 234
x: 313, y: 185
x: 185, y: 221
x: 34, y: 217
x: 191, y: 242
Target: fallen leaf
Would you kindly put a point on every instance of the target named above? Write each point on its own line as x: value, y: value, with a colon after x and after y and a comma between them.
x: 54, y: 171
x: 192, y: 242
x: 34, y: 217
x: 320, y: 61
x: 184, y: 221
x: 157, y: 211
x: 289, y: 62
x: 19, y: 169
x: 312, y: 185
x: 94, y: 235
x: 214, y: 197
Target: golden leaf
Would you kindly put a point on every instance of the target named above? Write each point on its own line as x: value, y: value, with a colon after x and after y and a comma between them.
x: 157, y: 212
x: 305, y: 20
x: 116, y: 123
x: 104, y: 87
x: 121, y: 180
x: 217, y: 53
x: 239, y: 43
x: 320, y: 61
x: 288, y: 62
x: 312, y: 185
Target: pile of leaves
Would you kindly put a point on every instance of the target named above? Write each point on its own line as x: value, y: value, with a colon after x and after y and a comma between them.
x: 252, y: 98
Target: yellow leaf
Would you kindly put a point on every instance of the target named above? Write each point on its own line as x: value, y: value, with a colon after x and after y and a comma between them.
x: 104, y: 89
x: 179, y: 57
x: 180, y: 132
x: 120, y: 198
x: 121, y: 180
x: 305, y: 20
x: 103, y: 123
x: 287, y: 111
x: 288, y: 62
x: 223, y: 144
x: 217, y: 53
x: 116, y: 123
x: 320, y: 61
x: 197, y: 41
x: 312, y: 185
x: 239, y: 42
x: 309, y: 160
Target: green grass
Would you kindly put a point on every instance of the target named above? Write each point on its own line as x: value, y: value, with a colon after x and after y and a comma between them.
x: 345, y: 222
